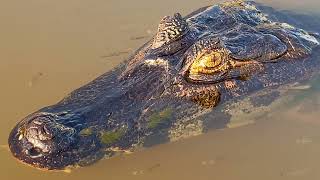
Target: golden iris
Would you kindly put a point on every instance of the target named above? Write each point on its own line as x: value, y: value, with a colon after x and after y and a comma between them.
x: 208, y: 63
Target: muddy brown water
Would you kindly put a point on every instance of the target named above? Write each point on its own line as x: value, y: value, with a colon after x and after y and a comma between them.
x: 49, y: 48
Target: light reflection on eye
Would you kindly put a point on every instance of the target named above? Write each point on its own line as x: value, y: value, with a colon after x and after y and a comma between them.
x: 209, y: 63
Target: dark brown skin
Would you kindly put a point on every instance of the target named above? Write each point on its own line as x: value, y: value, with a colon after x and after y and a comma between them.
x: 213, y: 56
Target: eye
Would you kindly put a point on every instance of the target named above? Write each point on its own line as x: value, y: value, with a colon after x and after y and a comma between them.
x: 213, y: 61
x: 209, y: 61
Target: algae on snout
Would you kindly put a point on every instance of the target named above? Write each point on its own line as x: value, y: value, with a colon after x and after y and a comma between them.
x: 109, y: 137
x: 86, y: 132
x: 159, y: 117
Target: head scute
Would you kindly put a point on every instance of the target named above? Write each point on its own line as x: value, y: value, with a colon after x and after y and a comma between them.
x: 170, y: 29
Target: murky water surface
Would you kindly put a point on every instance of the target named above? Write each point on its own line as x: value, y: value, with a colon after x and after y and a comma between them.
x: 49, y: 48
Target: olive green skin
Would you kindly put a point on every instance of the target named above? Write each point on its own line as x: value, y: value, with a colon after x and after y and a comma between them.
x: 147, y: 99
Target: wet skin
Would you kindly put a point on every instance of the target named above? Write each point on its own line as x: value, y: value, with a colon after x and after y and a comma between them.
x: 214, y: 55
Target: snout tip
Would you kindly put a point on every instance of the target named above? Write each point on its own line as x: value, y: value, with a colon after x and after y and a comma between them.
x: 39, y: 139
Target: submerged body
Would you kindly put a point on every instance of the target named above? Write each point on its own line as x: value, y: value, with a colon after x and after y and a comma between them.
x: 214, y: 55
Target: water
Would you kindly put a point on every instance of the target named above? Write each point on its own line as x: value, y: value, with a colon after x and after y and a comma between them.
x: 49, y: 48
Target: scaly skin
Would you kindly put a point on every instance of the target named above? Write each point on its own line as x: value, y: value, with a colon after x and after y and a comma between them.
x: 216, y: 54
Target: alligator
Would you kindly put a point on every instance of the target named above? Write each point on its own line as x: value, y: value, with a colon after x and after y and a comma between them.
x: 192, y: 66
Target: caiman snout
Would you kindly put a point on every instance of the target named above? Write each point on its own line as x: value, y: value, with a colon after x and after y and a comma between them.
x: 39, y: 136
x: 46, y: 134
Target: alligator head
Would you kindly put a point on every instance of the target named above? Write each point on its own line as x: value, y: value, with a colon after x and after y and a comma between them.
x: 214, y: 54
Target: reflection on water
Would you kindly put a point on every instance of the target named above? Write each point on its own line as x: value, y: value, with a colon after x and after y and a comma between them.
x: 49, y: 48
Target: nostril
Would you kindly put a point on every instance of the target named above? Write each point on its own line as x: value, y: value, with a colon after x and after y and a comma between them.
x: 34, y: 152
x: 39, y: 128
x: 44, y: 135
x: 45, y: 130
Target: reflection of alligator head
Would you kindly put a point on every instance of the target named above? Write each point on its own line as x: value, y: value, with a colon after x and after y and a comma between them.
x: 217, y: 53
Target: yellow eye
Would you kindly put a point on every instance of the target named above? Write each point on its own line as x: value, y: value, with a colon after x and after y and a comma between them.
x: 209, y: 63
